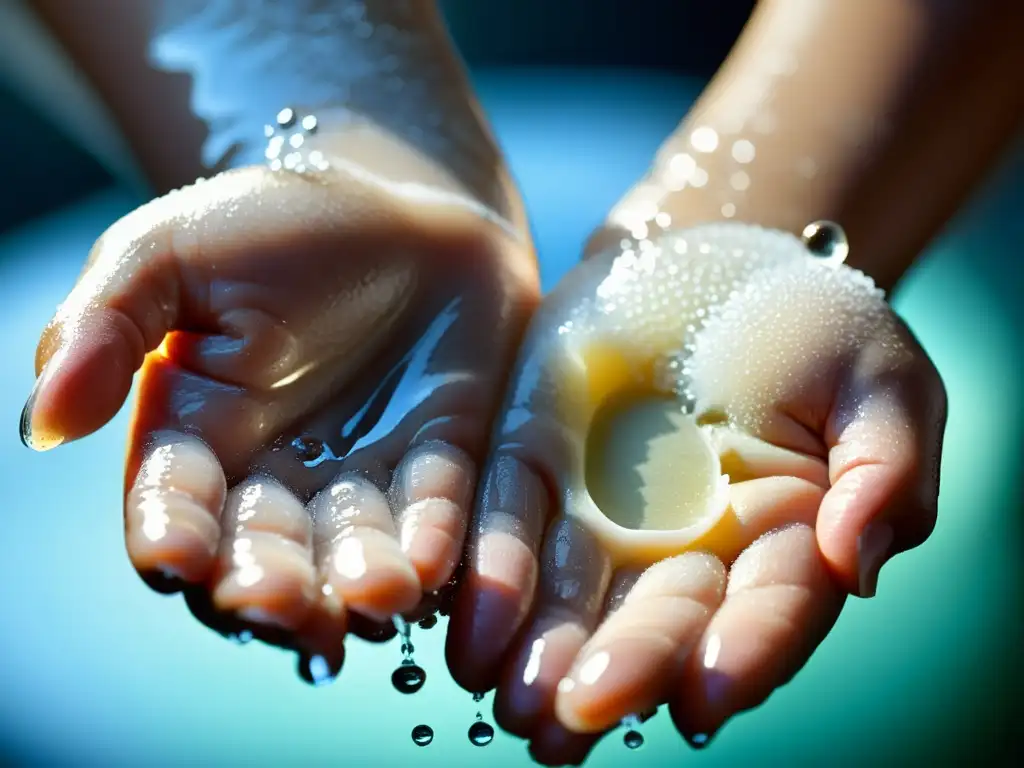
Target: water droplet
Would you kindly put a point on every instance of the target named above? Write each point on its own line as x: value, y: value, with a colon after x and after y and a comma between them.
x: 633, y: 739
x: 428, y: 622
x: 316, y: 671
x: 826, y: 240
x: 242, y: 637
x: 308, y: 448
x: 408, y: 649
x: 286, y: 117
x: 480, y: 734
x: 408, y: 678
x: 478, y: 697
x: 422, y: 735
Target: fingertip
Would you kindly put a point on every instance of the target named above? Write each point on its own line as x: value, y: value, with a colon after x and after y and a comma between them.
x: 173, y: 508
x: 490, y: 609
x: 82, y: 386
x: 431, y: 536
x: 870, y: 514
x: 484, y: 618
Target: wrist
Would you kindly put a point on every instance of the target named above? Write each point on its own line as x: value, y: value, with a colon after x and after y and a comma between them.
x: 377, y: 67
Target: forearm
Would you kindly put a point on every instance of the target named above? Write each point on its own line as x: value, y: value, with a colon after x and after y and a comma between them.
x: 881, y: 115
x: 193, y: 84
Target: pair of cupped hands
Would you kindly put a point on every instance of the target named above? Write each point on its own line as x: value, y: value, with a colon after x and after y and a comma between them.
x: 323, y: 439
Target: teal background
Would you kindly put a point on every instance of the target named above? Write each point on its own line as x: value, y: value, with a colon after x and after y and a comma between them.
x: 96, y: 670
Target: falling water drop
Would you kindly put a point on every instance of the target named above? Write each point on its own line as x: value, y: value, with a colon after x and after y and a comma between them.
x: 428, y: 622
x: 633, y: 739
x: 480, y: 734
x: 422, y: 735
x: 408, y: 678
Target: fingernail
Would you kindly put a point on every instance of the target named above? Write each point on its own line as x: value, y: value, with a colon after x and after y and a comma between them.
x: 32, y: 438
x: 872, y: 552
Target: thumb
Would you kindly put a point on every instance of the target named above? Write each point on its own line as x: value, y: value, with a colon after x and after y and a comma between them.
x: 129, y: 296
x: 125, y: 301
x: 885, y: 436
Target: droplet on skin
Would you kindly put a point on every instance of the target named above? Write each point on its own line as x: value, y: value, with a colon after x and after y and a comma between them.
x: 680, y: 168
x: 743, y: 151
x: 740, y: 181
x: 286, y: 117
x: 827, y: 240
x: 704, y: 139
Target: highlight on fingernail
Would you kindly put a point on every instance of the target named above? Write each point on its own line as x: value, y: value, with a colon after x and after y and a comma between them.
x: 712, y: 651
x: 590, y: 671
x: 31, y: 435
x: 37, y: 440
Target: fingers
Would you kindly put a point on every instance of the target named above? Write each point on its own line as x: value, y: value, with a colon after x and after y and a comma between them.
x: 266, y: 573
x: 629, y: 663
x: 431, y: 492
x: 780, y: 603
x: 885, y: 433
x: 575, y: 574
x: 357, y: 553
x: 553, y: 744
x: 501, y: 573
x: 173, y: 509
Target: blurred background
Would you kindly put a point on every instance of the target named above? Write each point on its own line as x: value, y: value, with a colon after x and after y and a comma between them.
x: 95, y: 670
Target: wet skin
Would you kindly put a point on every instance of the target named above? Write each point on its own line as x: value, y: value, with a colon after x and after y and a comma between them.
x: 320, y: 360
x: 711, y: 632
x: 843, y: 416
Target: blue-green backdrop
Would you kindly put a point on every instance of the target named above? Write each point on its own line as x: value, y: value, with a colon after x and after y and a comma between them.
x: 95, y: 670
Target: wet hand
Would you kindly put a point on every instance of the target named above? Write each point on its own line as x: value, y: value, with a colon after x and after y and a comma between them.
x: 800, y: 453
x: 319, y: 358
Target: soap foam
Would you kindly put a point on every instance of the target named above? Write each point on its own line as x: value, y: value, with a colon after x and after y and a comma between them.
x: 658, y: 295
x: 782, y: 339
x: 737, y: 318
